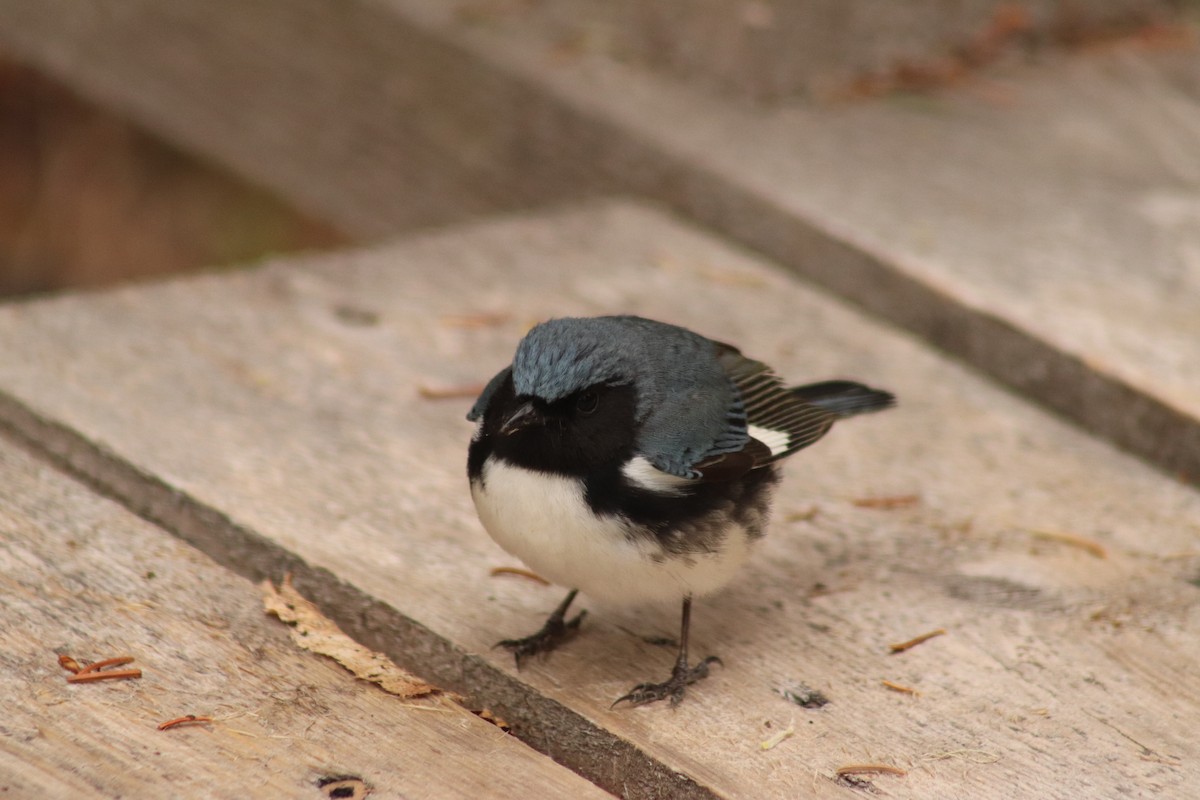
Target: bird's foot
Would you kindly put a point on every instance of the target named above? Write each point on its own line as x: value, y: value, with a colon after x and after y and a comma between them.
x: 555, y: 632
x: 673, y: 689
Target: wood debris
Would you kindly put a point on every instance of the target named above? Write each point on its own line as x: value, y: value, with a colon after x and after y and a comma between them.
x: 186, y: 719
x: 520, y: 572
x: 1073, y: 539
x: 783, y: 735
x: 464, y: 392
x: 1157, y: 759
x: 900, y: 647
x: 1010, y: 26
x: 312, y: 630
x: 804, y: 696
x: 487, y: 715
x: 106, y: 675
x: 901, y: 688
x: 98, y: 670
x: 887, y: 503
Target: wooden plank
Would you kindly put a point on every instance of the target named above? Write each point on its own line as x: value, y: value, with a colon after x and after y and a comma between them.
x: 276, y: 415
x: 255, y: 84
x: 80, y: 575
x: 999, y: 222
x: 827, y: 49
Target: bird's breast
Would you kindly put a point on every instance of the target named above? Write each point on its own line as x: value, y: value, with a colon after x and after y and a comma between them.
x: 544, y: 519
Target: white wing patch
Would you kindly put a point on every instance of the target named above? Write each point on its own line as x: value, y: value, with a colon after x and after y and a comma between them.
x: 642, y: 473
x: 776, y: 441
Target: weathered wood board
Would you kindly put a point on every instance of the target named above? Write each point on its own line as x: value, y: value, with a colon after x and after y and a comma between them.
x: 1039, y: 222
x: 288, y: 400
x: 80, y: 575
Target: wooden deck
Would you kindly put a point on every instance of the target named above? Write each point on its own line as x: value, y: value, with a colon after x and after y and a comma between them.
x: 81, y: 576
x: 1039, y: 221
x: 167, y: 447
x: 273, y: 421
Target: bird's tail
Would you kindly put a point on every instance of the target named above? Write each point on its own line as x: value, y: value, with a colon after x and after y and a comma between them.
x: 845, y: 398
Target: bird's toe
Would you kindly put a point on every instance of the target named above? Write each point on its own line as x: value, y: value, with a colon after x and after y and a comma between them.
x: 554, y: 633
x: 672, y: 689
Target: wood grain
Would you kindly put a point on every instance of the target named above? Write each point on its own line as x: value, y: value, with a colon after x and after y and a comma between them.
x: 1022, y: 226
x: 81, y: 576
x: 247, y: 412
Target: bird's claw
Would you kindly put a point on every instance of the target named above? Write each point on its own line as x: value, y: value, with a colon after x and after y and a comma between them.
x: 555, y: 632
x: 672, y: 689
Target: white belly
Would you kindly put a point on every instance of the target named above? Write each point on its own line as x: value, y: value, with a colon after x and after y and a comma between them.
x: 544, y: 521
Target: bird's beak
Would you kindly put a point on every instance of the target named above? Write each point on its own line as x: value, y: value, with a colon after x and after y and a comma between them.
x: 523, y: 417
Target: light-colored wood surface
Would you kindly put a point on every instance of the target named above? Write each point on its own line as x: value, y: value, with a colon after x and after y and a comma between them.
x: 786, y: 52
x: 288, y: 399
x: 1040, y: 224
x: 79, y: 575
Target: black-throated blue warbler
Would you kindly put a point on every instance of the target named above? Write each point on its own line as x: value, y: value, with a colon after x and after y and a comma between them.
x: 634, y: 460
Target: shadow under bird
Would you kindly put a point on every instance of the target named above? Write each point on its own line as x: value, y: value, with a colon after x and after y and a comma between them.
x: 634, y: 460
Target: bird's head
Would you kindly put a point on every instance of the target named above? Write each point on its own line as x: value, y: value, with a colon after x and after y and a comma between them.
x: 591, y: 389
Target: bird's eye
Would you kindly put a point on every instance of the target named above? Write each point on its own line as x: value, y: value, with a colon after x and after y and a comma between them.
x: 587, y: 403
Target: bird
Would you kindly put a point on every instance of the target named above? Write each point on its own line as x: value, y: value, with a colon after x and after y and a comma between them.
x: 634, y: 460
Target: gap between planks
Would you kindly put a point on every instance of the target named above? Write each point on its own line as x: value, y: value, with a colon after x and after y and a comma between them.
x: 539, y: 721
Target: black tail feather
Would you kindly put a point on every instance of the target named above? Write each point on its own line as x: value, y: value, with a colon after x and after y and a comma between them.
x: 845, y: 398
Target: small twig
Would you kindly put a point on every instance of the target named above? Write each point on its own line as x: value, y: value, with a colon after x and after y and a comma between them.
x: 96, y: 671
x: 1073, y: 539
x: 524, y: 573
x: 1157, y: 759
x: 900, y: 647
x: 111, y: 674
x: 187, y: 719
x: 887, y: 503
x: 861, y: 769
x: 783, y: 735
x: 897, y: 687
x: 465, y: 392
x: 96, y: 666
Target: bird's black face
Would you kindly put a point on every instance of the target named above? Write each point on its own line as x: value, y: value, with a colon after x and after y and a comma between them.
x: 583, y: 432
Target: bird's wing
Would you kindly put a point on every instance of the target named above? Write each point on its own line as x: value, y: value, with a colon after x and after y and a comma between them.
x: 778, y: 421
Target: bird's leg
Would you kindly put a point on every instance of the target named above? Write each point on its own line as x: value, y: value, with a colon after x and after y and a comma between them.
x: 558, y: 629
x: 682, y: 675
